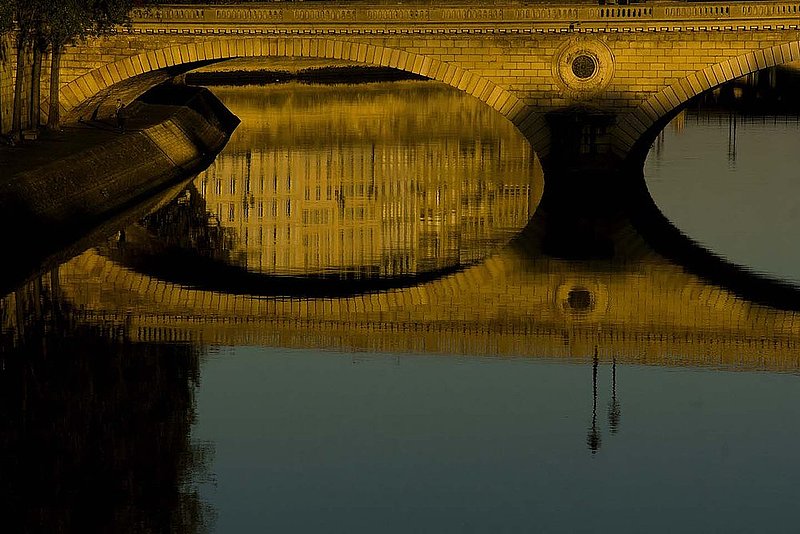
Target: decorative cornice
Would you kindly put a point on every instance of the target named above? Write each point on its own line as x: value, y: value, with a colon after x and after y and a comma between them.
x: 467, y: 18
x: 298, y: 31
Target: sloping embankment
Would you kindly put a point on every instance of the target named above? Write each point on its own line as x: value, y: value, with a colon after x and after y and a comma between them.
x: 50, y: 206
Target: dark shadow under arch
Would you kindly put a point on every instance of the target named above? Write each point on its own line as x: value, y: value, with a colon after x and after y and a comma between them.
x: 619, y: 228
x: 144, y: 254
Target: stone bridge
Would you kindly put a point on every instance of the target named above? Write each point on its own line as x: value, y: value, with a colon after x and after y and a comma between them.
x: 621, y: 71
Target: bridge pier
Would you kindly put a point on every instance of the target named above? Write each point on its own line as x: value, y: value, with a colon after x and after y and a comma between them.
x: 581, y: 210
x: 590, y: 190
x: 580, y: 138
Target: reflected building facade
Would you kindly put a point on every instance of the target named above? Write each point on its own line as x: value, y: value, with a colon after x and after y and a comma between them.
x: 373, y: 199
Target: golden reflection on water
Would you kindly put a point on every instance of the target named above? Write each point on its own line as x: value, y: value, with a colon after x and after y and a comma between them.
x: 449, y: 194
x: 386, y: 179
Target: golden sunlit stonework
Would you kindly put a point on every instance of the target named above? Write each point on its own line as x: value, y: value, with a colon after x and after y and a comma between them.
x: 502, y: 55
x: 583, y: 67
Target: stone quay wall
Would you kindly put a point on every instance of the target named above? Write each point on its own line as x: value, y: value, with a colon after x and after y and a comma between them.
x: 82, y: 190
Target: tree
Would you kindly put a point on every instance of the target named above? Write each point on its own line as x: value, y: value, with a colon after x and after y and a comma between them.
x: 39, y: 46
x: 68, y: 21
x: 6, y: 25
x: 25, y: 13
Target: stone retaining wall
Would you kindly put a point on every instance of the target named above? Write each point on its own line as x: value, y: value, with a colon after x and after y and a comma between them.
x: 57, y: 201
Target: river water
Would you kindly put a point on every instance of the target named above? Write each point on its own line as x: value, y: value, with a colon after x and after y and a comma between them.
x: 348, y: 323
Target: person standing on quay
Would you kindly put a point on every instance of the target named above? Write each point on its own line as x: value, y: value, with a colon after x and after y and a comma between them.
x: 120, y: 115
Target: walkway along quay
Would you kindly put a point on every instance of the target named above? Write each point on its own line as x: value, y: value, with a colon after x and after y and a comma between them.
x: 60, y: 188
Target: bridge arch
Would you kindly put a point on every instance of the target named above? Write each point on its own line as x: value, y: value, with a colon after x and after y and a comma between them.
x: 635, y: 132
x: 95, y: 82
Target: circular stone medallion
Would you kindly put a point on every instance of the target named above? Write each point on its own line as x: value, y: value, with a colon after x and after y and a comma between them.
x: 583, y: 67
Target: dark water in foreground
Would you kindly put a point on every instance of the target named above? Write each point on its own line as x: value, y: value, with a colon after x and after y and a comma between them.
x: 431, y: 444
x: 348, y: 323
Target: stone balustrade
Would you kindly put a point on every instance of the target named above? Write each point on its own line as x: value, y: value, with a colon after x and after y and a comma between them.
x: 417, y: 17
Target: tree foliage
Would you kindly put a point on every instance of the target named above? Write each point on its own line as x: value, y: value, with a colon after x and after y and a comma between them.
x: 6, y: 25
x: 66, y: 21
x: 6, y: 16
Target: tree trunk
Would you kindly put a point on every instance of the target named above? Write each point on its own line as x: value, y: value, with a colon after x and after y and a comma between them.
x: 19, y: 87
x: 54, y: 115
x: 2, y: 61
x: 2, y: 121
x: 36, y: 89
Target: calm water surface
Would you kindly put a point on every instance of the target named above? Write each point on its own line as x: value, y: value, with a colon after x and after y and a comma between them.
x: 728, y: 180
x: 348, y: 324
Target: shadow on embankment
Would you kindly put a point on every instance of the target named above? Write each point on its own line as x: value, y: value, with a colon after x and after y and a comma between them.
x: 51, y: 212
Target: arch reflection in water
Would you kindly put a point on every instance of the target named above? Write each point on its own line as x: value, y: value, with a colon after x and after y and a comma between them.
x: 642, y: 308
x: 370, y: 180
